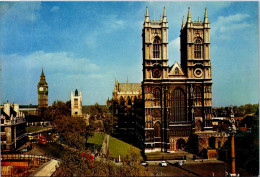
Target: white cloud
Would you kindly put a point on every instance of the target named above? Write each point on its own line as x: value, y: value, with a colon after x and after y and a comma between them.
x: 108, y: 25
x: 95, y: 76
x: 112, y: 23
x: 55, y: 9
x: 225, y: 26
x: 54, y: 62
x: 232, y: 18
x: 174, y: 50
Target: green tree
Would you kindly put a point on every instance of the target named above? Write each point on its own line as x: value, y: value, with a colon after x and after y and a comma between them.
x: 74, y: 164
x: 73, y: 130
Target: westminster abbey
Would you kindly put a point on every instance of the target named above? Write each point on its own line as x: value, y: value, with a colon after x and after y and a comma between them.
x: 178, y: 98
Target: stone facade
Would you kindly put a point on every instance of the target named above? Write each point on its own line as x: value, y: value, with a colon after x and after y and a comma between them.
x: 42, y: 92
x: 178, y: 98
x: 76, y: 104
x: 123, y: 102
x: 13, y: 124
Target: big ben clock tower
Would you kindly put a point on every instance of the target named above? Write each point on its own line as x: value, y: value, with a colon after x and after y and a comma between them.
x: 42, y: 92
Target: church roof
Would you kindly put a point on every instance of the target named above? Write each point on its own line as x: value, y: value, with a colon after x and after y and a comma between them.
x: 129, y: 87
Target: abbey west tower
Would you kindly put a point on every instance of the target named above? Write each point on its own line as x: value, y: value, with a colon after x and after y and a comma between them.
x: 177, y: 98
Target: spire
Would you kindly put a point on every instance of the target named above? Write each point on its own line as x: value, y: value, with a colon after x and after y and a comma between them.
x: 147, y: 13
x: 206, y: 20
x: 146, y: 18
x: 189, y: 16
x: 183, y: 22
x: 164, y: 12
x: 42, y: 74
x: 42, y: 77
x: 164, y: 15
x: 116, y: 85
x: 198, y: 19
x: 127, y: 80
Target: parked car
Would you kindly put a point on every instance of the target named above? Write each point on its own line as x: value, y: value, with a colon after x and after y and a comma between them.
x: 180, y: 163
x: 23, y: 150
x: 163, y: 164
x: 144, y: 163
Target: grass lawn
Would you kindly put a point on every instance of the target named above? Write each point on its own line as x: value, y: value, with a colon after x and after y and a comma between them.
x: 118, y: 147
x: 97, y: 138
x: 33, y: 129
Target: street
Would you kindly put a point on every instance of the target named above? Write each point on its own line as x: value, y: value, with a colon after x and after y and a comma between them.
x: 192, y: 168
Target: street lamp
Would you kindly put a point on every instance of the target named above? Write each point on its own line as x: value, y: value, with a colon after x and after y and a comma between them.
x: 232, y: 132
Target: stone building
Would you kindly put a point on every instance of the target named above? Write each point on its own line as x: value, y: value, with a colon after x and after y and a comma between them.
x: 178, y: 98
x: 125, y: 95
x: 76, y: 104
x: 13, y: 124
x: 42, y: 92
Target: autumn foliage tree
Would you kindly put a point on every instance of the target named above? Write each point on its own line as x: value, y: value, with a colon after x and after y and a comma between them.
x: 74, y: 164
x: 73, y: 130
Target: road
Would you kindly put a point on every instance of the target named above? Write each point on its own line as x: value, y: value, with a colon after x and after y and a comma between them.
x: 192, y: 168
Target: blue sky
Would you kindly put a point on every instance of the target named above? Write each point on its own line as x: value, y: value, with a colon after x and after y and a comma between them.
x: 86, y: 45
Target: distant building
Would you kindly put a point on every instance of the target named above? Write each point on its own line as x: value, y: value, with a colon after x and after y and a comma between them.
x: 123, y: 103
x: 42, y: 92
x: 76, y: 104
x: 13, y: 124
x: 29, y: 110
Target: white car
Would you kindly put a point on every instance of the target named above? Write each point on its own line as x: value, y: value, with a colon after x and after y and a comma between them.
x: 180, y: 163
x: 145, y: 164
x: 163, y: 164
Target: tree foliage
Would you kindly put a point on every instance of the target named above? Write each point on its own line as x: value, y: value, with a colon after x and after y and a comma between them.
x: 73, y: 164
x: 57, y: 108
x: 238, y: 110
x: 95, y: 109
x: 73, y: 130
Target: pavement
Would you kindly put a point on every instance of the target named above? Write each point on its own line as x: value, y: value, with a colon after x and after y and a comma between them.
x: 46, y: 169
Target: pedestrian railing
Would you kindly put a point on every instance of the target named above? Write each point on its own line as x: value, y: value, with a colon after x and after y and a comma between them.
x: 40, y: 158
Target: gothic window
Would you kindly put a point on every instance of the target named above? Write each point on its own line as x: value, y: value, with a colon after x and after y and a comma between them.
x: 157, y: 97
x: 178, y: 106
x: 76, y: 103
x: 197, y: 95
x: 198, y: 48
x: 157, y: 129
x: 129, y: 101
x: 176, y: 71
x: 122, y: 101
x: 156, y: 47
x: 156, y: 113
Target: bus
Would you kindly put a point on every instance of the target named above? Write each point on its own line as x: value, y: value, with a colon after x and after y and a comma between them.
x: 90, y: 158
x: 42, y: 140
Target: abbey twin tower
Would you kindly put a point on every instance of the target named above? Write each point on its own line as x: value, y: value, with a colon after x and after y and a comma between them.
x: 178, y: 98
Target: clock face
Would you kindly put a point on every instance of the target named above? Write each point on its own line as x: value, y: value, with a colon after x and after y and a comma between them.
x: 156, y: 73
x: 198, y: 72
x: 41, y: 89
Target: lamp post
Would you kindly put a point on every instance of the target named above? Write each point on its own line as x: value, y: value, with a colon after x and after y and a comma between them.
x: 232, y: 132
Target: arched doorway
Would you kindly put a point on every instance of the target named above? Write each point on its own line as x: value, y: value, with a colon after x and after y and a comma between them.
x: 219, y: 144
x: 212, y: 142
x: 180, y: 144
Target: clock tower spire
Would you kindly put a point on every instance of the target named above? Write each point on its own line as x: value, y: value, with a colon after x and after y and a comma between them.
x: 42, y: 92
